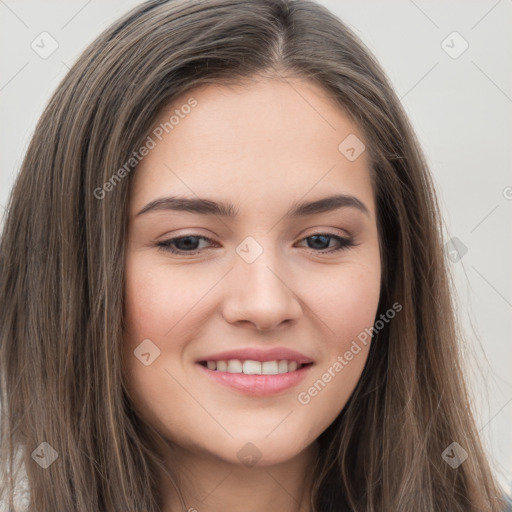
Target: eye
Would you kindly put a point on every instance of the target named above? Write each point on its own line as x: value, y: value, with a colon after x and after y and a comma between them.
x: 319, y: 240
x: 189, y: 244
x: 185, y: 244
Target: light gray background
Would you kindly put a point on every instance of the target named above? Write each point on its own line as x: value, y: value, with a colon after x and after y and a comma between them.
x: 460, y: 107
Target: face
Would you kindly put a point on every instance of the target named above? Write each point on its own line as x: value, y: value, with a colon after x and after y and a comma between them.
x: 242, y: 320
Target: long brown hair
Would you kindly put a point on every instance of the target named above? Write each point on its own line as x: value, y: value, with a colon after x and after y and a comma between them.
x: 62, y: 271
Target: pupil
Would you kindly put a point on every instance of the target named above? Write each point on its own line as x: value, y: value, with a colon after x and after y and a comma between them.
x: 186, y: 242
x: 316, y: 237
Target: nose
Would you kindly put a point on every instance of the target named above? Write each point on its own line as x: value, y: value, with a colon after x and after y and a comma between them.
x: 258, y: 295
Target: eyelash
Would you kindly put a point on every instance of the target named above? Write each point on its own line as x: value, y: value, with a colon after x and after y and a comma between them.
x: 345, y: 243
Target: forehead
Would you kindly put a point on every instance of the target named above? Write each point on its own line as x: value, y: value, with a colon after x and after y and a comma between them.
x: 266, y: 140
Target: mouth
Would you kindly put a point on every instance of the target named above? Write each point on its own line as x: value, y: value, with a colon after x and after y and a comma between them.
x: 255, y: 378
x: 253, y: 367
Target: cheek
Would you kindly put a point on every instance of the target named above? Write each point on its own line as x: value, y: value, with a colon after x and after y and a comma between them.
x: 350, y: 315
x: 153, y: 304
x: 347, y: 304
x: 156, y: 299
x: 347, y: 301
x: 162, y: 304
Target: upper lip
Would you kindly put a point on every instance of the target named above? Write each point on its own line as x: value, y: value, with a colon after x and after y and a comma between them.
x: 254, y: 354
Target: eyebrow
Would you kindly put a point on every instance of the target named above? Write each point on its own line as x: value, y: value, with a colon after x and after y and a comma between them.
x: 209, y: 207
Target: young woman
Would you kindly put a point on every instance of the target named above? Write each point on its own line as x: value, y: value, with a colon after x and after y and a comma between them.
x: 223, y: 283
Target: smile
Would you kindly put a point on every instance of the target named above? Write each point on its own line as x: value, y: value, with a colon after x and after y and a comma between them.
x: 250, y: 367
x: 255, y: 384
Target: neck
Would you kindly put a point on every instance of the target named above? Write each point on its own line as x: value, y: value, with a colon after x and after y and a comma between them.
x: 210, y: 484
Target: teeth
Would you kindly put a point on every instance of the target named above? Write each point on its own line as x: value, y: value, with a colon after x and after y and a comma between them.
x: 282, y: 367
x: 250, y: 367
x: 269, y: 368
x: 234, y: 366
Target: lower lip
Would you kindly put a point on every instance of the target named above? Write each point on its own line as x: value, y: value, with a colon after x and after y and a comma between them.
x: 257, y: 385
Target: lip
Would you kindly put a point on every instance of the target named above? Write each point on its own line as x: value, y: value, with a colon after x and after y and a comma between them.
x: 257, y: 385
x: 278, y: 353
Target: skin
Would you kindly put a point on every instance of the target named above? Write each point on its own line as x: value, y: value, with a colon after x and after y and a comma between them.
x: 261, y: 147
